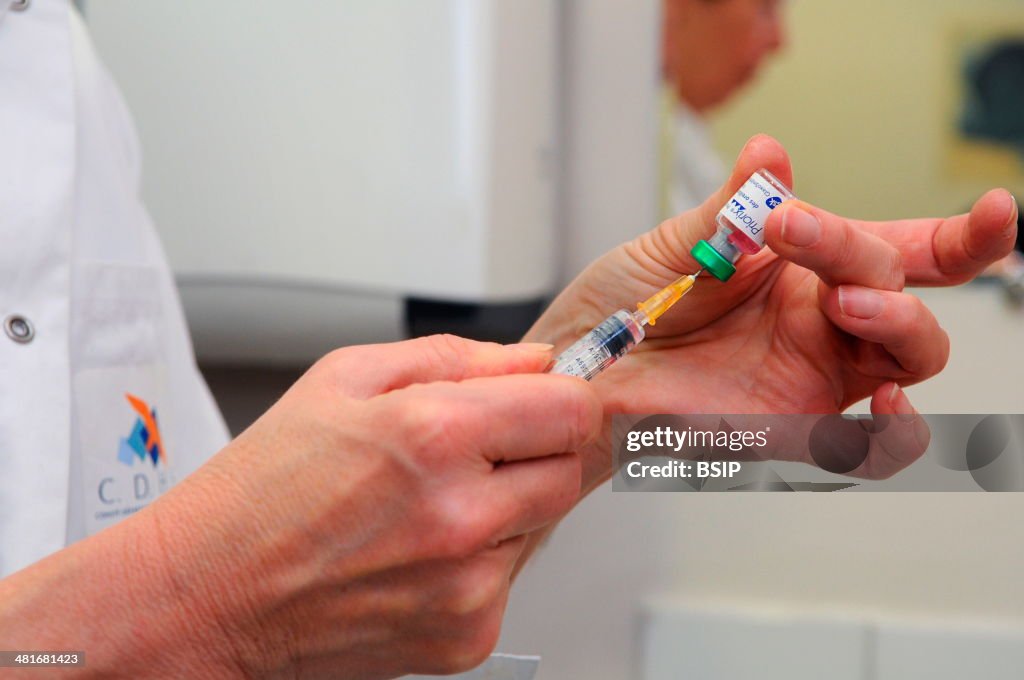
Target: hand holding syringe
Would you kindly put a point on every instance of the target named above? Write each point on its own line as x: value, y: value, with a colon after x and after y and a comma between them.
x: 740, y: 230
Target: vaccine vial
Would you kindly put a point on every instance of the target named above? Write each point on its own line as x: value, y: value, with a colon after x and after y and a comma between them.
x: 741, y: 223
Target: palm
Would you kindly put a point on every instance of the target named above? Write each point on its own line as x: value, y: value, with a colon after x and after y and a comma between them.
x: 773, y: 352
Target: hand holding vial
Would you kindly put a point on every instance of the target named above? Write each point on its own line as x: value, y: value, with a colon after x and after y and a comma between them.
x: 741, y: 224
x: 812, y: 324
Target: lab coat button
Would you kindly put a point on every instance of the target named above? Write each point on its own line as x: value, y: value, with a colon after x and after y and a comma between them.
x: 19, y: 329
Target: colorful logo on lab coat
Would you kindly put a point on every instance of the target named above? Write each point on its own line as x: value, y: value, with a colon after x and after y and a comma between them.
x: 144, y: 441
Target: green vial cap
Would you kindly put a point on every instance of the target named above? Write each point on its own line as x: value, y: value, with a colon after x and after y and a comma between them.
x: 712, y: 261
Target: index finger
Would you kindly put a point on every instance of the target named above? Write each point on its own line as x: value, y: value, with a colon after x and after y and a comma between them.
x: 368, y: 370
x: 528, y: 416
x: 504, y: 418
x: 833, y: 248
x: 943, y: 252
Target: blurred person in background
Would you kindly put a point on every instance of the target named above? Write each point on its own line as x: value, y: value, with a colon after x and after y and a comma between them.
x: 710, y: 50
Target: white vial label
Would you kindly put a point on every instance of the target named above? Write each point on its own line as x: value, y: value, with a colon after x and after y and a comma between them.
x: 750, y: 207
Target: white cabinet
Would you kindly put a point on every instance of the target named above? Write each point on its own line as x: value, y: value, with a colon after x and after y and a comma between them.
x: 339, y: 154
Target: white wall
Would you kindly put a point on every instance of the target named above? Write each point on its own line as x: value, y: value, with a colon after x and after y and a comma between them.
x: 765, y: 642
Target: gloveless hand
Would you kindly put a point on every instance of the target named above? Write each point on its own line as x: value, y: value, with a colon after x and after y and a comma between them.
x: 812, y: 324
x: 366, y: 526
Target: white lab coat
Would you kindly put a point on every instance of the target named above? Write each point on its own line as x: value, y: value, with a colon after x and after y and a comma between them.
x: 692, y: 170
x: 698, y: 169
x: 81, y: 262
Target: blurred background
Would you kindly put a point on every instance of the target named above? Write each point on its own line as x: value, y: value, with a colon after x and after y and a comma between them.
x: 326, y: 173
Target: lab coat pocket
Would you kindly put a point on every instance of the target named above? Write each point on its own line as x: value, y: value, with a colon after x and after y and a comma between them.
x: 118, y: 316
x: 120, y: 461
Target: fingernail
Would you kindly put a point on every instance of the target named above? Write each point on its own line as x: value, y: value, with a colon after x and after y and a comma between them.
x: 800, y: 228
x: 1011, y: 223
x: 860, y: 303
x: 899, y: 403
x: 541, y: 347
x: 746, y: 144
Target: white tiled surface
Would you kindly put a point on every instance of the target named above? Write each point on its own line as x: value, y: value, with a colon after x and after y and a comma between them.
x: 908, y: 652
x: 709, y: 645
x: 680, y: 641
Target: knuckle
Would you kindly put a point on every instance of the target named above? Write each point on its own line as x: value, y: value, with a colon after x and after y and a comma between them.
x: 447, y: 349
x: 335, y: 356
x: 337, y: 362
x: 342, y: 371
x: 896, y: 273
x: 425, y: 424
x: 478, y: 587
x: 841, y: 256
x: 458, y: 526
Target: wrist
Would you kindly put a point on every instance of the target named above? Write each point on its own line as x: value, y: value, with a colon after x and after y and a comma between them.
x: 186, y: 614
x: 212, y: 582
x: 111, y: 597
x: 182, y: 593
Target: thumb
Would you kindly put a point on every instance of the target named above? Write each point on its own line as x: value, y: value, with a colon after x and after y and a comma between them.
x: 369, y: 370
x: 671, y: 242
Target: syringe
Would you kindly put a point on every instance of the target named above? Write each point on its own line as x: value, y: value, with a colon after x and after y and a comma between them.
x: 619, y: 333
x: 741, y: 223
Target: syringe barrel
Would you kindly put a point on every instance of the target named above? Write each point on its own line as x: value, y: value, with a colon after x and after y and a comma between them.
x: 601, y: 347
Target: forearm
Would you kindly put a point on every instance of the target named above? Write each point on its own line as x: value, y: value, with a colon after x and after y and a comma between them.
x: 115, y: 597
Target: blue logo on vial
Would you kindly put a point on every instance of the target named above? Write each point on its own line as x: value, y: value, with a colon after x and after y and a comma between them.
x: 773, y: 202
